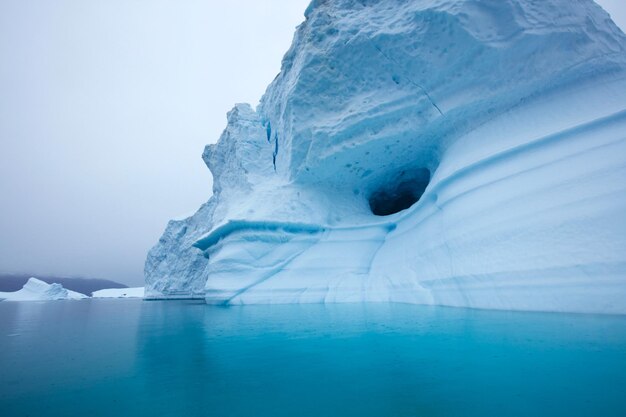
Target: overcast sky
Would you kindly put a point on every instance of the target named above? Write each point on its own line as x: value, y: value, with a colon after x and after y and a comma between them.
x: 105, y: 108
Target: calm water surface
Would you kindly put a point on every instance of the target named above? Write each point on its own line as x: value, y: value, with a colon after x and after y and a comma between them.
x: 135, y: 358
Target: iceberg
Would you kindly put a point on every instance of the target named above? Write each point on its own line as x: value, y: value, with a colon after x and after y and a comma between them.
x: 447, y: 152
x: 38, y: 290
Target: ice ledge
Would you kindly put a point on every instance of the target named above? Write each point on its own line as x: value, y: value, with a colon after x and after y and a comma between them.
x: 234, y: 226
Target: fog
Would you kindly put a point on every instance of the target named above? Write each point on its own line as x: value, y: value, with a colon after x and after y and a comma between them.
x: 105, y: 107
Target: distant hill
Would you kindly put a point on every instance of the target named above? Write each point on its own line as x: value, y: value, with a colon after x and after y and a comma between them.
x: 14, y: 282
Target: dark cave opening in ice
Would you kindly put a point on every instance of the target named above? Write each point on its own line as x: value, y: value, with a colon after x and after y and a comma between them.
x: 400, y: 193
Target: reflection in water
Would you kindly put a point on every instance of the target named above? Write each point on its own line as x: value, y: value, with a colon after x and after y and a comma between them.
x: 63, y: 344
x: 124, y: 357
x: 174, y: 362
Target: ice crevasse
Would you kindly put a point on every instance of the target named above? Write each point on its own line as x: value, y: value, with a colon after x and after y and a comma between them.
x: 450, y: 152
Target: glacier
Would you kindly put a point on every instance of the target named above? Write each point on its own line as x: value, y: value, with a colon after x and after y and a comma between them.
x: 467, y: 153
x: 38, y: 290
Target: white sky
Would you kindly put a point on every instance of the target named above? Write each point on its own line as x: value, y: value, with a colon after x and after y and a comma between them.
x: 105, y: 108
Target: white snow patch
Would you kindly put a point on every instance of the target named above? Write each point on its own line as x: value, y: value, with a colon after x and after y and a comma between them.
x: 119, y: 293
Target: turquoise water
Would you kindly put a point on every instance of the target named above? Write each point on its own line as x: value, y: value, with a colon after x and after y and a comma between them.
x: 134, y: 358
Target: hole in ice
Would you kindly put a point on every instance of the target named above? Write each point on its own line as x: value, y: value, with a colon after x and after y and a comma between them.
x: 399, y: 193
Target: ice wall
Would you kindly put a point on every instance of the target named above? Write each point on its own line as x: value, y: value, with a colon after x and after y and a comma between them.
x: 465, y: 153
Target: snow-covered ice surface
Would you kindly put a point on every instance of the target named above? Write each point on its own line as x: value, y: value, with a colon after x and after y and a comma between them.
x: 510, y: 113
x: 38, y: 290
x: 136, y: 292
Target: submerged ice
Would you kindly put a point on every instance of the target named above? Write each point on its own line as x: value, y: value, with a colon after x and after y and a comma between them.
x: 452, y: 152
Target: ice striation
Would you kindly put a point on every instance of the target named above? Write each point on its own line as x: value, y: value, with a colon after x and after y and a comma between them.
x: 453, y: 152
x: 38, y: 290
